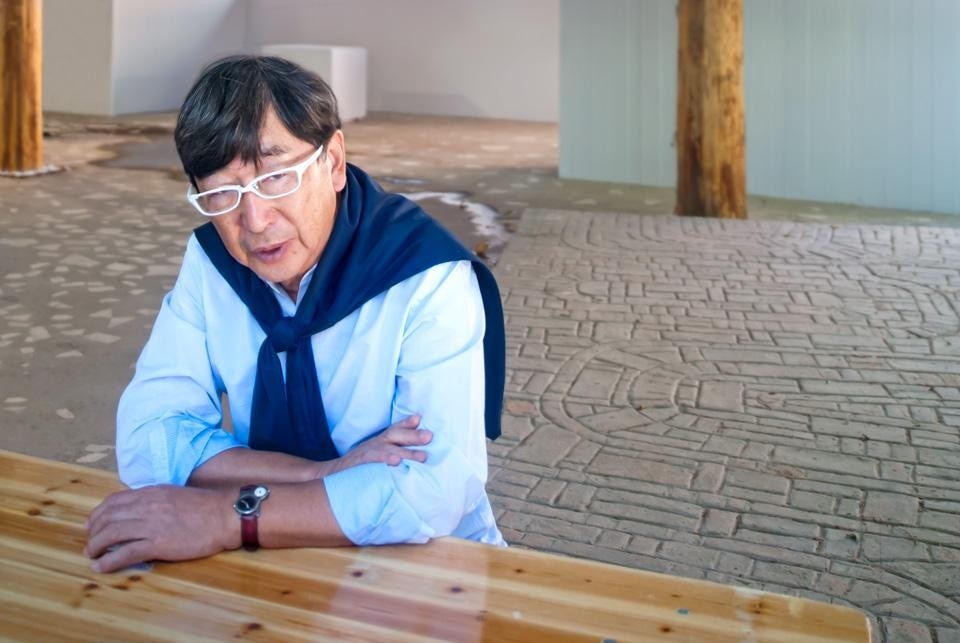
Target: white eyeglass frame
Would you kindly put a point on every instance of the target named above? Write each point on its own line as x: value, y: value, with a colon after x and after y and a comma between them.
x: 193, y: 196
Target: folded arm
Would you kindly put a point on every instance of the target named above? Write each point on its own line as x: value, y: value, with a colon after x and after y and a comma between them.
x: 440, y: 376
x: 237, y: 467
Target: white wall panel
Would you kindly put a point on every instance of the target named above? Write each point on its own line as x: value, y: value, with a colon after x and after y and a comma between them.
x: 853, y: 101
x: 870, y: 102
x: 617, y: 88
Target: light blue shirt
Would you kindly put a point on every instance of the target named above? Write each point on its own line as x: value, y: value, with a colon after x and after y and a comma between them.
x: 415, y: 349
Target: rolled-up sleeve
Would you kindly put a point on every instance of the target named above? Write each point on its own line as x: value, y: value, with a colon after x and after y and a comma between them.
x: 169, y: 417
x: 440, y: 377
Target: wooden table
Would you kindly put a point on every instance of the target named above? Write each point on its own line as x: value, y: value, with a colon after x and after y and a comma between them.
x: 449, y: 589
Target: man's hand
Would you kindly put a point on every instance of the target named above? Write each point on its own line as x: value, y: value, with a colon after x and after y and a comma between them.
x: 164, y: 522
x: 389, y: 446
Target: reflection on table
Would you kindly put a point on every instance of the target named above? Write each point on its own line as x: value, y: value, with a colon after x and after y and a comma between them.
x: 448, y: 589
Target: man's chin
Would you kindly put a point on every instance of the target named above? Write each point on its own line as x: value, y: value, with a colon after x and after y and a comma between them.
x: 273, y: 275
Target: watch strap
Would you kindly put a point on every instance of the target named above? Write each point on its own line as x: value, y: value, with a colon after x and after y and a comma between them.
x: 248, y: 532
x: 251, y: 497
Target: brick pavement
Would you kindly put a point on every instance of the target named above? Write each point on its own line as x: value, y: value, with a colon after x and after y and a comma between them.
x: 769, y: 404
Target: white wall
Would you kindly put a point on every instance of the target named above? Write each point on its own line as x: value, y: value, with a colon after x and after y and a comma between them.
x: 77, y: 39
x: 618, y: 62
x: 855, y: 101
x: 159, y: 47
x: 486, y: 58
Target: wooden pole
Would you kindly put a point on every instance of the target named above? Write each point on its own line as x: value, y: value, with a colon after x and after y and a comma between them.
x: 711, y: 166
x: 21, y: 112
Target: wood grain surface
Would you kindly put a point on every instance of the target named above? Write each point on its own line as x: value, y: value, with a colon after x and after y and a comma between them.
x: 446, y: 590
x: 711, y: 118
x: 21, y: 76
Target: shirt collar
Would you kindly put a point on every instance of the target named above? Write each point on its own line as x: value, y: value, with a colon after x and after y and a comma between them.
x: 283, y: 298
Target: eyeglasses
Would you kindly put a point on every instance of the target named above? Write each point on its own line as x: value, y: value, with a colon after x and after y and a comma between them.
x: 271, y: 185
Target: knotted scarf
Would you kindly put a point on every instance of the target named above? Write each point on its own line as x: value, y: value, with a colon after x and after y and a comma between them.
x: 378, y: 240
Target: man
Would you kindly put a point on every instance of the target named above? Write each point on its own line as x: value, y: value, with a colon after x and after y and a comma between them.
x: 324, y: 310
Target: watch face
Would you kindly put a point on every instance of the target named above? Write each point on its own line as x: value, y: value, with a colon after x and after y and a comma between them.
x: 246, y: 504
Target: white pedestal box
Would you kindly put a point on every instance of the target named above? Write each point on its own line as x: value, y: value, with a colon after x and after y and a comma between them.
x: 343, y: 68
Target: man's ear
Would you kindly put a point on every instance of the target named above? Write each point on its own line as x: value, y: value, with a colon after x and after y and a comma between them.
x: 336, y: 153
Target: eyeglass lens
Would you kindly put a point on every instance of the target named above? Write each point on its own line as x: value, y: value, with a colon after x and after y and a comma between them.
x: 270, y: 186
x: 219, y: 201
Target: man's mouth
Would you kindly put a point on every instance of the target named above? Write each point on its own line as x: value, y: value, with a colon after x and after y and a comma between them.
x: 270, y: 253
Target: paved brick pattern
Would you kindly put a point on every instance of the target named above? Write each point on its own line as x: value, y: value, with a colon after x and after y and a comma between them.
x: 770, y: 404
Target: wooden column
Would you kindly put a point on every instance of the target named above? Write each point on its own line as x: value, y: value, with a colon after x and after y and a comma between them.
x: 711, y: 166
x: 21, y: 115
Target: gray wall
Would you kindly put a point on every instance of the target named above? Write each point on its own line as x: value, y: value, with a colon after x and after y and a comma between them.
x: 487, y: 58
x: 159, y: 47
x: 126, y: 56
x: 77, y: 54
x: 855, y: 101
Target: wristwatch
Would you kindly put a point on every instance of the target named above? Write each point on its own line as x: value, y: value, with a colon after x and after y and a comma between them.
x: 247, y: 507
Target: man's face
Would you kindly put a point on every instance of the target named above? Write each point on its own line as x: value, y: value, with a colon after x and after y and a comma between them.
x: 281, y: 239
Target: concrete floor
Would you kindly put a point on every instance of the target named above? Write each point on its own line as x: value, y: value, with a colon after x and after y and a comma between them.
x: 772, y: 403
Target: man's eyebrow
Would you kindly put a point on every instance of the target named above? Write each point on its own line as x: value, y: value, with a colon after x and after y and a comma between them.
x: 273, y: 150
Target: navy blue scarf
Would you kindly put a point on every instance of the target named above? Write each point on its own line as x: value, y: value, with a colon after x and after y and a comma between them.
x: 378, y: 240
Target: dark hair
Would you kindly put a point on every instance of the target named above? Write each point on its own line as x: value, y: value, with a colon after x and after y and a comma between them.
x: 223, y: 112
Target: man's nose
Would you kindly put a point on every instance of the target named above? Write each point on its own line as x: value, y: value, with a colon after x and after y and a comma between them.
x: 254, y: 212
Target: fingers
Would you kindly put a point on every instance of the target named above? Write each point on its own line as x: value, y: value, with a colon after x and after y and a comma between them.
x: 132, y: 504
x: 406, y: 436
x: 110, y: 534
x: 397, y: 456
x: 410, y: 422
x: 420, y: 436
x: 113, y: 502
x: 405, y: 433
x: 389, y: 446
x: 127, y: 554
x: 111, y: 516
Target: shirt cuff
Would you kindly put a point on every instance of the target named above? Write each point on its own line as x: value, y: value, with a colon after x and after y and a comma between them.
x: 369, y: 509
x: 174, y: 460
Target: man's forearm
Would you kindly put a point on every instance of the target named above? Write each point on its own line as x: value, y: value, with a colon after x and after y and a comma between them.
x: 294, y: 515
x: 299, y: 515
x: 237, y: 467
